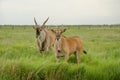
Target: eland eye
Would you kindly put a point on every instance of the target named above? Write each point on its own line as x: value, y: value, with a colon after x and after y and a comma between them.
x: 40, y: 30
x: 37, y: 33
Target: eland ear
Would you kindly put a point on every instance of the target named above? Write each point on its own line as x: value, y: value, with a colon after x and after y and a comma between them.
x: 63, y: 30
x: 34, y: 27
x: 53, y: 30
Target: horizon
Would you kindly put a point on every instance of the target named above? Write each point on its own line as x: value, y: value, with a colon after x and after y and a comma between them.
x: 66, y: 25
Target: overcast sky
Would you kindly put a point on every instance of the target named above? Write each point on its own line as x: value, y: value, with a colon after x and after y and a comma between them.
x: 60, y: 11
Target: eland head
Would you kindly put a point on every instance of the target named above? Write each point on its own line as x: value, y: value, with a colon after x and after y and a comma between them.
x: 58, y: 33
x: 39, y: 28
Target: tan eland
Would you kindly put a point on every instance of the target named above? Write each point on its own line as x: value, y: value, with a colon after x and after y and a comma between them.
x: 65, y: 46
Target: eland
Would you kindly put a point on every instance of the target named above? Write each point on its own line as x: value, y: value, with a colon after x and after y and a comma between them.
x: 65, y: 46
x: 44, y: 37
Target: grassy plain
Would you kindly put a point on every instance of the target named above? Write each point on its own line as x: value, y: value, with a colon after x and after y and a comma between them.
x: 20, y: 60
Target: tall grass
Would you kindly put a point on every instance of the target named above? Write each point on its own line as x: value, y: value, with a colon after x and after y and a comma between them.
x: 20, y: 60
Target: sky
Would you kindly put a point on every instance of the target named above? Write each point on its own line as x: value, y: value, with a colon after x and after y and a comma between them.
x: 66, y: 12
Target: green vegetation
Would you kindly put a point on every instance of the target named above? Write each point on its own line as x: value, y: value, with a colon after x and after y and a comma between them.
x: 20, y: 60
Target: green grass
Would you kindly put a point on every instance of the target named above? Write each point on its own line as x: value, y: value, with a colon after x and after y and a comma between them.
x: 20, y: 60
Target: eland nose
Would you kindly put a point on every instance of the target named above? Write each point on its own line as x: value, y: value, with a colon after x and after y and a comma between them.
x: 58, y: 37
x: 59, y: 51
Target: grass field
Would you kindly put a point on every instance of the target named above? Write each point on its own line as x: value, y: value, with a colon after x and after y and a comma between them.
x: 20, y: 60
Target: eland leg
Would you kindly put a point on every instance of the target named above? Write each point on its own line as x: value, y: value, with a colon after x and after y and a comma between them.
x: 66, y: 57
x: 78, y: 56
